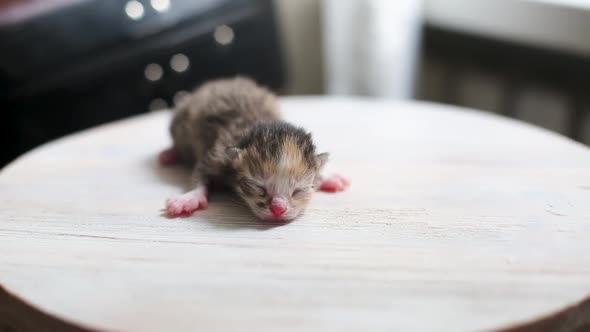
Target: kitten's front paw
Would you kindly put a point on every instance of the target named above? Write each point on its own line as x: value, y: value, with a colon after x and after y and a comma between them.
x: 186, y: 204
x: 334, y: 183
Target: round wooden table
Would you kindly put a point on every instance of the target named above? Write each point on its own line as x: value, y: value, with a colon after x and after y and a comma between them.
x: 456, y: 220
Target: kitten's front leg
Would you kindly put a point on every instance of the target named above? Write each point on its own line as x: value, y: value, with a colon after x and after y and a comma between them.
x: 189, y: 202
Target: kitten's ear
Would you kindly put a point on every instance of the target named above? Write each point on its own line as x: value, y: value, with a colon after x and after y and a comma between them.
x: 322, y: 159
x: 233, y: 153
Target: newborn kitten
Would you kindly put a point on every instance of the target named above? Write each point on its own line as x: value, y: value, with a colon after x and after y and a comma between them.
x: 229, y: 131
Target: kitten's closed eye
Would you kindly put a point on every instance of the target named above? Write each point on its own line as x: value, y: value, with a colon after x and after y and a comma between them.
x: 249, y: 187
x: 300, y: 191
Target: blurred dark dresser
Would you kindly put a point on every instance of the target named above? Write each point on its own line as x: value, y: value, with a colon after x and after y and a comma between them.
x: 66, y: 65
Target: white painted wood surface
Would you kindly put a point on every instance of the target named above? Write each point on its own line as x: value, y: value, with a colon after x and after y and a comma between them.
x: 455, y: 221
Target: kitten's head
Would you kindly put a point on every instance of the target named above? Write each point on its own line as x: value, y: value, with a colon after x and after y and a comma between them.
x: 276, y: 170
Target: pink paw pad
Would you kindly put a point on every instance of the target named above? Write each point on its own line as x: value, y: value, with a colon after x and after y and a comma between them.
x: 186, y: 204
x: 334, y: 183
x: 168, y: 157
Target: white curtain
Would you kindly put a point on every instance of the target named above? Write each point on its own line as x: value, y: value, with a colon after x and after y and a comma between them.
x: 371, y: 47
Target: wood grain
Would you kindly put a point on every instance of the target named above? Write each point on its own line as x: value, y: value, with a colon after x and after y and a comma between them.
x: 456, y: 221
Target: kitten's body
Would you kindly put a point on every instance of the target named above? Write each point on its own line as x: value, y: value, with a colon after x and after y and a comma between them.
x: 216, y: 117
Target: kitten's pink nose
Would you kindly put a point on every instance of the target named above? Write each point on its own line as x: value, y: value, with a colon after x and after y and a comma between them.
x: 278, y: 206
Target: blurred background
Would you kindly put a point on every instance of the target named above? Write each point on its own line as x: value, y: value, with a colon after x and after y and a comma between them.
x: 66, y: 65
